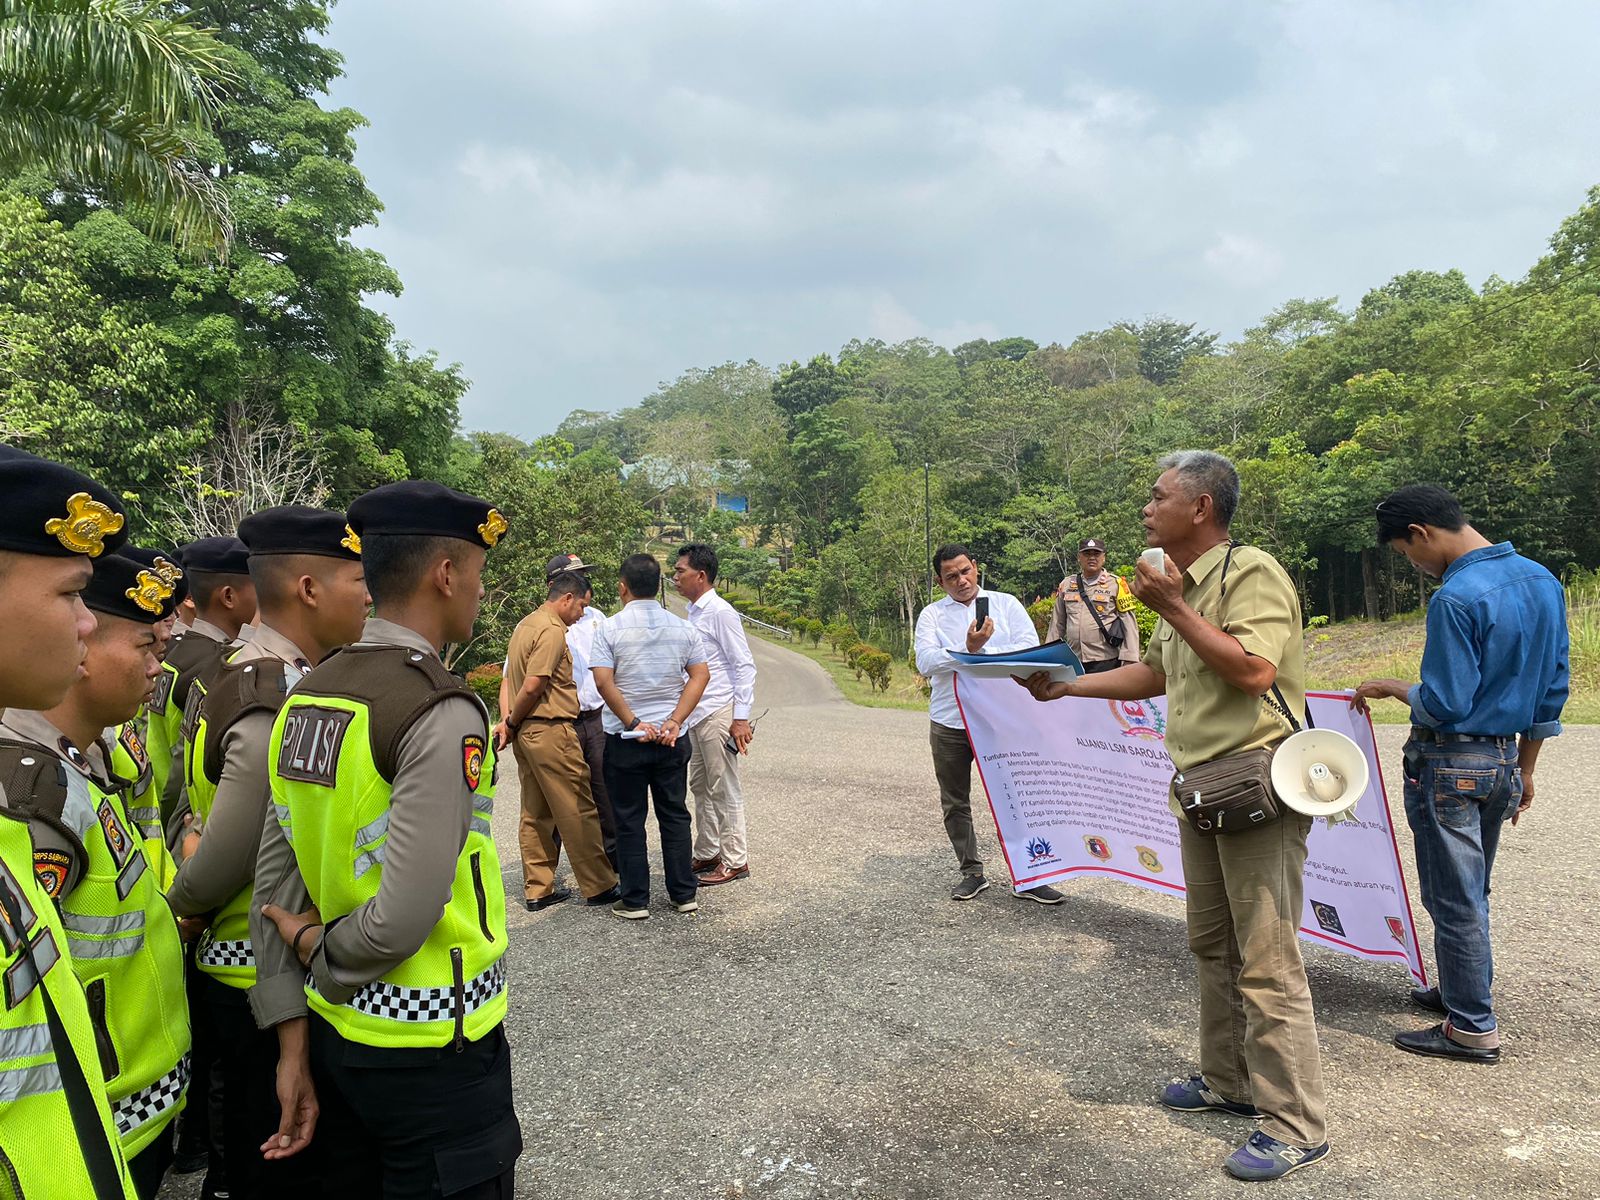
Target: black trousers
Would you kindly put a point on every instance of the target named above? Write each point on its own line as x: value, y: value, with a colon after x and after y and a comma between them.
x: 247, y: 1059
x: 149, y: 1167
x: 417, y: 1122
x: 638, y: 773
x: 592, y: 737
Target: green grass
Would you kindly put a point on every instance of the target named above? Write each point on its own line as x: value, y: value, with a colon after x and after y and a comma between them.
x: 1343, y: 655
x: 903, y: 690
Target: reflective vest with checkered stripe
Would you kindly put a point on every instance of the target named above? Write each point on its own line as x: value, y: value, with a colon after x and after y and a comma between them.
x: 130, y: 761
x: 225, y: 952
x: 40, y: 1147
x: 332, y: 803
x: 127, y: 953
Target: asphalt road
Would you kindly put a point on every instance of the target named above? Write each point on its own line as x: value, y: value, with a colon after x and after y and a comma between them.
x: 836, y: 1027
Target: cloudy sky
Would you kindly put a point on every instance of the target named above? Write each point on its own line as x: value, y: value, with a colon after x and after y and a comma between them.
x: 587, y: 197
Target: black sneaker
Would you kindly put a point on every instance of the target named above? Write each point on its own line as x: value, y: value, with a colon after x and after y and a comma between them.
x: 969, y: 887
x: 1043, y: 894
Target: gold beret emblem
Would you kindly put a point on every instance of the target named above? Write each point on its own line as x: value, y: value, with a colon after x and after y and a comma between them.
x: 492, y: 528
x: 169, y: 572
x: 149, y: 592
x: 83, y: 530
x: 351, y: 540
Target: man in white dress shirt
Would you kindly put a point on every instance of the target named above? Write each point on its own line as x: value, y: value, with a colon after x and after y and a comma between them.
x: 721, y: 854
x: 950, y: 624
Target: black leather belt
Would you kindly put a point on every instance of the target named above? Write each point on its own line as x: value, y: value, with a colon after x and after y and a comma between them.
x: 1423, y: 734
x: 589, y: 714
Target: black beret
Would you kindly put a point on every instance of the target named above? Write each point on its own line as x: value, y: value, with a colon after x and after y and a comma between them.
x: 417, y: 508
x: 299, y: 529
x: 165, y: 565
x: 216, y: 556
x: 52, y: 510
x: 124, y: 587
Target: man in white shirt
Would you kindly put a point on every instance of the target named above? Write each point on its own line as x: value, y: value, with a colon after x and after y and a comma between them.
x: 722, y: 716
x: 950, y: 624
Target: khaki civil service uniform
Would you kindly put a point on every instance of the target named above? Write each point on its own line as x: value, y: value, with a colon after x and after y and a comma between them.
x: 1245, y: 891
x: 1072, y: 621
x: 551, y: 766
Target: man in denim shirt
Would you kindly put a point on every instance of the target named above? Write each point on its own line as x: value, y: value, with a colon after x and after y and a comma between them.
x: 1494, y: 680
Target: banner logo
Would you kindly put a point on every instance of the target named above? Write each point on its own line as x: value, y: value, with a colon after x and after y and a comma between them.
x: 1097, y: 847
x: 1040, y: 851
x: 1397, y: 929
x: 1139, y: 718
x: 1148, y: 859
x: 1328, y: 917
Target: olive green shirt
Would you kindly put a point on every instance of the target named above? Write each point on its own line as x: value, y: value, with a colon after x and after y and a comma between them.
x: 1208, y: 718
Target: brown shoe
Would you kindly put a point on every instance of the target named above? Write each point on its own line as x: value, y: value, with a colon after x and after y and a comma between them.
x: 705, y: 864
x: 725, y: 874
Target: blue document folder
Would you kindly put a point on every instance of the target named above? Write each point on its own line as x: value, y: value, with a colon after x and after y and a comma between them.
x: 1055, y: 657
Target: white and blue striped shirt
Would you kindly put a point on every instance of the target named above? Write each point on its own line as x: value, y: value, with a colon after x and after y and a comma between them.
x: 650, y: 650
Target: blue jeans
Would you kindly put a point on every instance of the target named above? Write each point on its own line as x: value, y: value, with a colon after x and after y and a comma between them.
x: 1458, y: 795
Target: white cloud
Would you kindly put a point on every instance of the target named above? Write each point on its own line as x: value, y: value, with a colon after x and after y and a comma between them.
x: 1243, y: 260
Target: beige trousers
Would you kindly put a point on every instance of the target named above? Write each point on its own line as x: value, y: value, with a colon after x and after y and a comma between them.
x: 718, y: 802
x: 1258, y: 1033
x: 555, y: 796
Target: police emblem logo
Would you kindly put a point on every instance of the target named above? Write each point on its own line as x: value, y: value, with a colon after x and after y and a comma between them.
x: 133, y: 744
x: 149, y: 592
x: 1397, y: 929
x: 472, y: 751
x: 1148, y: 859
x: 1328, y: 917
x: 1097, y: 847
x: 50, y: 868
x: 492, y: 528
x: 85, y: 527
x: 351, y: 540
x: 170, y: 572
x: 118, y: 840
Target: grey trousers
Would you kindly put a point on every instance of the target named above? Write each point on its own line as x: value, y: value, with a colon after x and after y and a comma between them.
x: 952, y: 766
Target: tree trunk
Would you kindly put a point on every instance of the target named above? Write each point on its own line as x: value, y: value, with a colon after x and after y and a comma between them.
x: 1369, y: 586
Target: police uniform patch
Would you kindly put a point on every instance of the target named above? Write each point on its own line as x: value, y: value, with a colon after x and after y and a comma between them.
x: 51, y: 868
x: 132, y: 743
x: 472, y: 750
x: 312, y: 739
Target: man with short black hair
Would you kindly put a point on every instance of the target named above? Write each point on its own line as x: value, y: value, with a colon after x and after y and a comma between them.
x: 1495, y: 676
x: 721, y: 853
x: 541, y: 716
x: 651, y: 671
x: 951, y: 624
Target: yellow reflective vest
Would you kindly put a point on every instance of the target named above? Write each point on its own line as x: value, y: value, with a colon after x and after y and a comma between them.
x: 332, y: 761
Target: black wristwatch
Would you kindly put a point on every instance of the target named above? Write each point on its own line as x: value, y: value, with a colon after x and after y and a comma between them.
x: 632, y: 725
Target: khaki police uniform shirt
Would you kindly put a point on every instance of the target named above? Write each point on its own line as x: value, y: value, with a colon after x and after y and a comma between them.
x: 430, y: 810
x: 539, y: 647
x: 1207, y: 717
x: 1072, y: 621
x: 226, y: 858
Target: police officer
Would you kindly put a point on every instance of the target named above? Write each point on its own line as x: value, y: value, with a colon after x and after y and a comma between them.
x: 1093, y: 613
x: 382, y: 784
x: 123, y: 937
x: 218, y: 573
x: 130, y: 757
x: 308, y: 584
x: 56, y: 1132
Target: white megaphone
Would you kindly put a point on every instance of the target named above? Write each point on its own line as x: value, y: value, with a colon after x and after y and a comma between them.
x: 1319, y: 772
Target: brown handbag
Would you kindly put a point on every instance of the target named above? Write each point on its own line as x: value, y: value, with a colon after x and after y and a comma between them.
x: 1232, y: 793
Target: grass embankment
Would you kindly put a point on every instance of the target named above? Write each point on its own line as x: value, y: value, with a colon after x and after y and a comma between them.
x: 1343, y: 655
x: 904, y: 690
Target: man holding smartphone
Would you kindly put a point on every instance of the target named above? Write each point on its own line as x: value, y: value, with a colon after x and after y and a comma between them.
x: 973, y: 619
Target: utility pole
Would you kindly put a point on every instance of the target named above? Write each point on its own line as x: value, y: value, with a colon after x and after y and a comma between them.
x: 927, y: 513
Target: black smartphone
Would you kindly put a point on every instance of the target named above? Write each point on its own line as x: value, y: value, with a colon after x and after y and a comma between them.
x: 981, y: 611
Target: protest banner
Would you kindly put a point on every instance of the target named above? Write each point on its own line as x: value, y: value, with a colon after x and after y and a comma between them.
x: 1080, y: 786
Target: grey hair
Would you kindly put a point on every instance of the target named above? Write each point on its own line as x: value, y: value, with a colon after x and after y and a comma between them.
x: 1205, y: 472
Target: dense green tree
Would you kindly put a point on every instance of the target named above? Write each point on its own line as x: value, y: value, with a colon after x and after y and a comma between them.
x: 1166, y: 345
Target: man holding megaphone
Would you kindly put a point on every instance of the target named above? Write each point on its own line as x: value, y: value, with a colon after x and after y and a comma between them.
x: 1494, y: 680
x: 1229, y: 658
